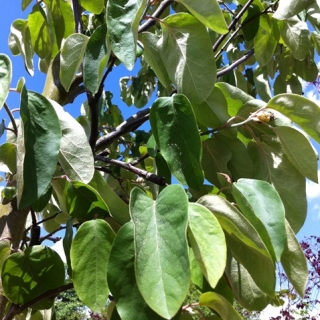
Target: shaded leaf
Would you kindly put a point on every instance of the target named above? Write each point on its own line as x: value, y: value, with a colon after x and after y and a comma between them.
x: 95, y: 6
x: 175, y: 130
x: 66, y: 242
x: 48, y: 212
x: 186, y: 52
x: 72, y: 53
x: 162, y: 262
x: 37, y: 147
x: 123, y: 19
x: 8, y: 157
x: 212, y: 259
x: 5, y: 77
x: 90, y: 252
x: 26, y: 275
x: 75, y: 154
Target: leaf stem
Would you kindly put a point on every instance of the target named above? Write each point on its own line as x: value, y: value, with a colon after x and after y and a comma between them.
x: 14, y: 125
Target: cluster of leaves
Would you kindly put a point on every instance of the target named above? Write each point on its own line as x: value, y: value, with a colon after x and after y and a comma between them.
x: 240, y: 163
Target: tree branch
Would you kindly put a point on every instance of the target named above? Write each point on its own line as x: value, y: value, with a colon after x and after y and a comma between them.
x: 128, y: 166
x: 14, y: 125
x: 129, y: 125
x: 157, y: 14
x: 232, y: 66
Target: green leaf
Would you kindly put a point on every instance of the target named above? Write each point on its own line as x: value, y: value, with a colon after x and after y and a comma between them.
x: 186, y: 52
x: 5, y: 77
x: 295, y: 34
x: 292, y: 85
x: 83, y: 202
x: 90, y: 252
x: 153, y: 57
x: 288, y: 9
x: 244, y: 241
x: 204, y: 228
x: 262, y: 206
x: 37, y: 147
x: 121, y: 278
x: 294, y: 262
x: 246, y: 292
x: 299, y: 151
x: 95, y: 6
x: 307, y: 69
x: 250, y: 21
x: 39, y: 31
x: 162, y: 262
x: 265, y: 42
x: 220, y: 305
x: 95, y: 59
x: 43, y: 200
x: 118, y: 208
x: 29, y: 274
x: 8, y: 157
x: 25, y: 4
x: 215, y: 157
x: 20, y: 39
x: 72, y: 53
x: 209, y: 13
x: 272, y: 165
x: 48, y: 212
x: 175, y: 130
x: 123, y: 18
x: 67, y: 241
x: 304, y: 112
x: 262, y: 84
x: 75, y: 154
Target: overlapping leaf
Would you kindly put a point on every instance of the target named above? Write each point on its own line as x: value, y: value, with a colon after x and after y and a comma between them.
x: 90, y: 252
x: 37, y: 147
x: 95, y: 6
x: 8, y: 157
x: 175, y: 130
x: 5, y: 77
x: 288, y: 9
x: 162, y: 263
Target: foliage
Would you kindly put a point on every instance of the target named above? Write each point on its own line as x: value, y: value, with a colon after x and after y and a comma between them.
x: 210, y: 193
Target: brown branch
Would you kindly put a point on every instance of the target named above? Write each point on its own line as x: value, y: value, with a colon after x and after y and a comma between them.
x: 16, y: 309
x: 127, y: 126
x: 9, y: 112
x: 128, y: 166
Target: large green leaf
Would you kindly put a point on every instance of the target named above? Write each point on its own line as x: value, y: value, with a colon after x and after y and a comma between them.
x: 204, y: 228
x: 75, y: 154
x: 272, y: 165
x: 294, y: 262
x: 123, y: 18
x: 95, y: 6
x: 118, y: 208
x: 39, y: 31
x: 289, y: 8
x: 186, y: 52
x: 20, y: 43
x: 37, y: 146
x: 162, y: 262
x: 264, y: 42
x: 29, y: 274
x: 299, y: 151
x: 220, y: 305
x: 153, y: 57
x: 304, y: 112
x: 208, y: 12
x: 175, y: 130
x: 5, y: 77
x: 72, y: 53
x: 90, y: 252
x: 262, y: 206
x: 295, y: 34
x: 121, y: 278
x: 95, y: 59
x: 246, y: 292
x: 83, y: 202
x: 244, y: 241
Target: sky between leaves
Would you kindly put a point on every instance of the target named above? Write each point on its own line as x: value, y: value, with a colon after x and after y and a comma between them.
x: 11, y: 10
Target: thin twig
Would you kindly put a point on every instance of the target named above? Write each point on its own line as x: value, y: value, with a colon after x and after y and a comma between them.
x: 135, y: 162
x: 142, y: 173
x: 13, y: 121
x: 77, y: 16
x: 127, y: 126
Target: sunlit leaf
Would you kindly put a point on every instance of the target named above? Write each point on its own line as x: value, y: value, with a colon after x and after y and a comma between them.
x: 5, y: 77
x: 8, y: 157
x: 288, y: 9
x: 95, y: 6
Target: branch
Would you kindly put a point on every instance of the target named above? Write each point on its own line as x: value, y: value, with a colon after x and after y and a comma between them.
x: 232, y: 66
x: 128, y: 166
x: 14, y: 125
x: 77, y: 16
x: 127, y: 126
x: 157, y: 14
x: 16, y: 309
x: 232, y: 25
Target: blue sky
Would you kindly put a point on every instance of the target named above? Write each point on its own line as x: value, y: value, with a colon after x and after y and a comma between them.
x: 11, y: 10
